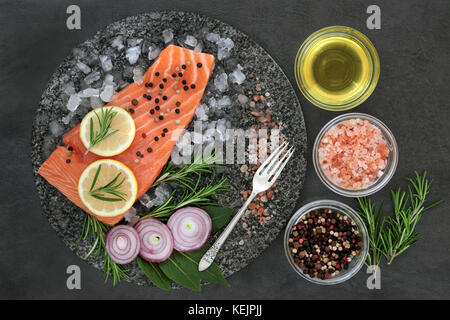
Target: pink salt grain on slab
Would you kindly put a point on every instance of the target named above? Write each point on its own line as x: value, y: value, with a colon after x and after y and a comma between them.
x: 353, y: 154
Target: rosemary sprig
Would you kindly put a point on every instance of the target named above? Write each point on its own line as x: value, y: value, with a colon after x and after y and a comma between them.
x: 104, y: 122
x: 110, y: 188
x: 95, y: 232
x: 373, y: 220
x: 391, y: 236
x: 183, y: 175
x: 400, y: 233
x: 192, y: 195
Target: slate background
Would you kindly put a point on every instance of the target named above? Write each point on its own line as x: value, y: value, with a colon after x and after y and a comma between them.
x: 412, y: 98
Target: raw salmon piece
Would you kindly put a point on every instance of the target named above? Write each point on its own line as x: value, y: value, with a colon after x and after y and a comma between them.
x: 175, y: 65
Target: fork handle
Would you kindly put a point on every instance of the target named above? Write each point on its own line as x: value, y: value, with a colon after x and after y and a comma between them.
x: 210, y: 255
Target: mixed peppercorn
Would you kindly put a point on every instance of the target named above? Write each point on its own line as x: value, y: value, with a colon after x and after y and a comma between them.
x: 323, y: 243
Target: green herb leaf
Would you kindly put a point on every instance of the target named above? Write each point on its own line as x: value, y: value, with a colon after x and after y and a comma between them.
x: 180, y: 270
x: 212, y: 274
x: 154, y: 274
x: 95, y: 232
x: 392, y: 236
x: 104, y: 123
x: 110, y: 188
x: 219, y: 216
x: 191, y: 196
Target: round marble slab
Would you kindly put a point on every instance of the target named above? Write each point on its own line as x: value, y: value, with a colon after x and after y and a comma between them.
x: 53, y: 120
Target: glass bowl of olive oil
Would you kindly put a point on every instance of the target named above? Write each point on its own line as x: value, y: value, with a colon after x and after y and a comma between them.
x: 337, y: 68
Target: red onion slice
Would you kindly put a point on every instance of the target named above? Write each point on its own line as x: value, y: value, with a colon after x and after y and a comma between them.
x: 190, y: 228
x: 122, y: 244
x: 156, y: 240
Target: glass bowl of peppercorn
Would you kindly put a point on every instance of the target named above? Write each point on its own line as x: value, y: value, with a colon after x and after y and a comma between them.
x: 326, y: 242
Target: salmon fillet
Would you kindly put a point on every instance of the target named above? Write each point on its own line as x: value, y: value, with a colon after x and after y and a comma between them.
x: 175, y: 82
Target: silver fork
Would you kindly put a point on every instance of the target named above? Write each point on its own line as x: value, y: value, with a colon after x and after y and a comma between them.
x: 264, y: 178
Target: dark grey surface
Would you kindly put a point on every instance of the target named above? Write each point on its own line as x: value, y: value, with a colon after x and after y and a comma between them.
x: 411, y: 98
x: 242, y: 246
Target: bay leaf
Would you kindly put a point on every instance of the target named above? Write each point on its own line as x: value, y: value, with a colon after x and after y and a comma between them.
x: 219, y: 216
x: 154, y: 274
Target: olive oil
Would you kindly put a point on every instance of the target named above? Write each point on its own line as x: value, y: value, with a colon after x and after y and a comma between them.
x: 337, y: 69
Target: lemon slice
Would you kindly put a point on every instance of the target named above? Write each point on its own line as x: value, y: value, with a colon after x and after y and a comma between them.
x: 118, y: 136
x: 117, y: 197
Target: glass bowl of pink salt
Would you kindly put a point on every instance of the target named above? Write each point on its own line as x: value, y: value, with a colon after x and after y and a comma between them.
x: 355, y: 155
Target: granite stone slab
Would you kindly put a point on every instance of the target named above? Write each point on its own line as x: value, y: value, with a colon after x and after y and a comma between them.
x: 243, y: 245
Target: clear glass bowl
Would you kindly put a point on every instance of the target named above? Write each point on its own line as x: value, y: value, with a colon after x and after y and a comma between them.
x: 357, y: 262
x: 373, y: 63
x: 388, y: 171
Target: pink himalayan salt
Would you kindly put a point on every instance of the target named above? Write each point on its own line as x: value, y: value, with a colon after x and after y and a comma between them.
x: 353, y: 154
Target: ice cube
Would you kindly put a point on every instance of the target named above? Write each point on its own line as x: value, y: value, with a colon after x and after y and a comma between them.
x: 212, y: 102
x: 69, y: 89
x: 191, y: 41
x: 106, y: 63
x: 73, y: 103
x: 153, y: 52
x: 109, y: 79
x: 162, y: 192
x: 89, y: 92
x: 83, y: 67
x: 167, y: 35
x: 224, y: 102
x: 138, y: 73
x: 201, y: 112
x: 92, y: 77
x: 132, y: 54
x: 131, y: 217
x: 223, y: 53
x: 198, y: 47
x: 67, y: 118
x: 145, y: 200
x: 132, y: 42
x: 107, y: 93
x: 95, y: 102
x: 212, y: 37
x: 118, y: 43
x: 56, y: 129
x: 225, y: 43
x: 237, y: 76
x: 224, y: 46
x: 221, y: 82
